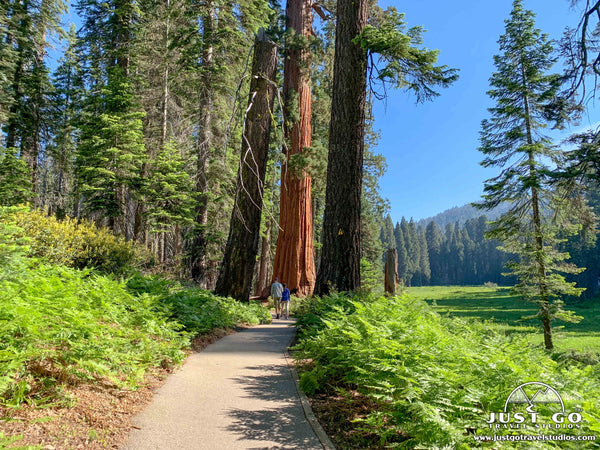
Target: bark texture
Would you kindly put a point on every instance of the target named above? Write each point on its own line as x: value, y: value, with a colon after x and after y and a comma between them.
x: 235, y: 276
x: 198, y: 261
x: 391, y: 271
x: 262, y: 277
x: 340, y: 257
x: 294, y: 257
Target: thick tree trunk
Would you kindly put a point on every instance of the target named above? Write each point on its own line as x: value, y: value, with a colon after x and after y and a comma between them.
x: 262, y: 279
x: 198, y: 260
x: 340, y: 256
x: 294, y: 257
x: 235, y: 277
x: 391, y: 271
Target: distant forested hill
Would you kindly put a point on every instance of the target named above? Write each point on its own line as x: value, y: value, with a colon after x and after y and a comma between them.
x: 461, y: 214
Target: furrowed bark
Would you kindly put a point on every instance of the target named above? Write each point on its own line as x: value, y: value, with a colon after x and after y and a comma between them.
x: 340, y: 257
x: 294, y: 257
x: 237, y: 270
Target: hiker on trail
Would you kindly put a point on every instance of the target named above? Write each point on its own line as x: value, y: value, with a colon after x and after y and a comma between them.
x: 276, y: 293
x: 285, y: 301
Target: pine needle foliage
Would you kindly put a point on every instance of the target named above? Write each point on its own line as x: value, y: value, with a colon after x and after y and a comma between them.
x: 401, y: 59
x: 428, y: 378
x: 15, y: 178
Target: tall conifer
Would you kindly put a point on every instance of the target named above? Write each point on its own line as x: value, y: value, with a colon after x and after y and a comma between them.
x: 513, y: 140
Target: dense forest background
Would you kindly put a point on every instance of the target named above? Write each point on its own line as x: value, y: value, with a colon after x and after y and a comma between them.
x: 138, y: 125
x: 451, y: 249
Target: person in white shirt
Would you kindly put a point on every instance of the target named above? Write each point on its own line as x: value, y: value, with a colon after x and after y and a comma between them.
x: 276, y: 293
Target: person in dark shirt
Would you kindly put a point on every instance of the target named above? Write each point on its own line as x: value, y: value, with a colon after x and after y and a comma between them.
x: 285, y: 302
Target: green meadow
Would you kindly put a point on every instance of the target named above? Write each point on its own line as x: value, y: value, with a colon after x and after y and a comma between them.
x: 504, y: 310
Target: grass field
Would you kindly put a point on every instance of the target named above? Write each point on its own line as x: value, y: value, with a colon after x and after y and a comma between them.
x: 506, y: 310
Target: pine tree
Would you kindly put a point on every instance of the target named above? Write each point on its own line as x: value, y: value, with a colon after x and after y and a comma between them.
x: 111, y: 152
x: 512, y: 139
x: 66, y: 102
x: 403, y: 261
x: 111, y: 155
x: 424, y: 264
x: 7, y: 62
x: 237, y: 270
x: 404, y: 65
x: 435, y: 239
x: 167, y: 192
x: 387, y: 233
x: 28, y: 26
x: 15, y: 179
x: 220, y: 36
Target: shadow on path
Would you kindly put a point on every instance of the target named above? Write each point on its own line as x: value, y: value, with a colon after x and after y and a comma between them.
x: 284, y: 422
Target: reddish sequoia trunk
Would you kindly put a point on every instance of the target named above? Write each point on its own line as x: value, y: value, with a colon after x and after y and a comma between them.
x: 294, y: 257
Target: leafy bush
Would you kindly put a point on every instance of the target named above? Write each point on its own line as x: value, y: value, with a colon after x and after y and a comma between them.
x: 74, y: 244
x: 198, y: 310
x: 61, y: 325
x: 428, y: 378
x: 11, y: 246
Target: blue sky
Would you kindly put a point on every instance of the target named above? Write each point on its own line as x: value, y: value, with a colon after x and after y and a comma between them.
x: 431, y: 148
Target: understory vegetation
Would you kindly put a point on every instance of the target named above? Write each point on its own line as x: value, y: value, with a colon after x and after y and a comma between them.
x: 402, y: 375
x: 62, y: 325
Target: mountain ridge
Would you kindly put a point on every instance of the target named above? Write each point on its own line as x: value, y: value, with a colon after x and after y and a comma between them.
x: 461, y: 214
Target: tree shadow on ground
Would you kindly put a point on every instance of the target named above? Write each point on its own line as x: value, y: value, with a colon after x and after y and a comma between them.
x: 283, y: 424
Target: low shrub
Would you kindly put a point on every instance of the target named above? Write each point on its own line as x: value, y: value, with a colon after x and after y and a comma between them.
x: 198, y: 310
x: 430, y: 380
x: 75, y: 244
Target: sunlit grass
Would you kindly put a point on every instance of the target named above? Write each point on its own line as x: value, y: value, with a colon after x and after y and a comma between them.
x: 506, y: 311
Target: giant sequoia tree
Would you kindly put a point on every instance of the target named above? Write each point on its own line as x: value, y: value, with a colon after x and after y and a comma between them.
x: 512, y: 139
x: 340, y: 257
x: 294, y: 257
x: 404, y: 64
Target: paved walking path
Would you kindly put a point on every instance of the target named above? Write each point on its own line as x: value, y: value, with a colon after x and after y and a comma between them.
x: 236, y: 394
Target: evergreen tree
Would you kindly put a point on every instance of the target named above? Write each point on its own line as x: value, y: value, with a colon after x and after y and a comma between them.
x: 29, y: 25
x: 111, y: 152
x: 168, y: 191
x: 424, y: 265
x: 406, y: 65
x: 403, y: 261
x: 7, y: 62
x: 387, y: 233
x: 435, y: 239
x: 66, y: 101
x: 15, y: 179
x: 219, y: 38
x: 526, y: 100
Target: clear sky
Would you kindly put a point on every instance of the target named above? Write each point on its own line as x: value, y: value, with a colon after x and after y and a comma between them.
x: 431, y: 148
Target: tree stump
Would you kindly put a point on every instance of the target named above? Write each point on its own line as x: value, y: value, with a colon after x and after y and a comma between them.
x: 391, y: 271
